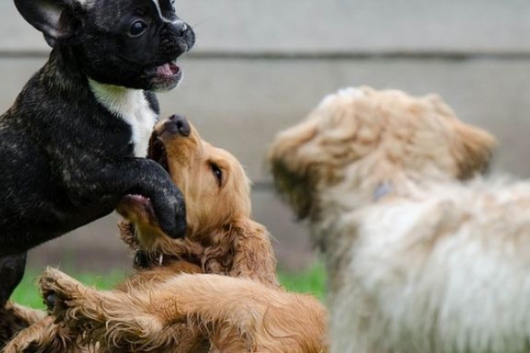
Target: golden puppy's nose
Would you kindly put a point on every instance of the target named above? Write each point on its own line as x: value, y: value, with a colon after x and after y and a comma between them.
x: 177, y: 124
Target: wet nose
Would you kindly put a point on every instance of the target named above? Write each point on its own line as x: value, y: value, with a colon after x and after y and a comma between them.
x: 177, y: 124
x: 179, y: 28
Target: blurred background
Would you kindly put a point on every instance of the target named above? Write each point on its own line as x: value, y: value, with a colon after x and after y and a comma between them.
x: 260, y: 66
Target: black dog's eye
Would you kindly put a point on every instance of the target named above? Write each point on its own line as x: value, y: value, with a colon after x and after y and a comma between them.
x: 217, y: 172
x: 138, y: 28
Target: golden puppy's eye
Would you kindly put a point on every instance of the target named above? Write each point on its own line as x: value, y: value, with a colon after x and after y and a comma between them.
x: 217, y: 172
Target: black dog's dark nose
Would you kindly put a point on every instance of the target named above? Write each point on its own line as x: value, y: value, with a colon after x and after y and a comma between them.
x: 179, y: 28
x: 178, y: 124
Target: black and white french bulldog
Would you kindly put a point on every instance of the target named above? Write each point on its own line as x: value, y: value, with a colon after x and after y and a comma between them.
x: 72, y: 144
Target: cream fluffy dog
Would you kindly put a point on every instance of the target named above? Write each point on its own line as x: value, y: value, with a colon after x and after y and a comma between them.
x: 419, y: 260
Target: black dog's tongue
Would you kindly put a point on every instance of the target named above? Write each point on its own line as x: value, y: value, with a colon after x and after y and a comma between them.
x: 167, y: 70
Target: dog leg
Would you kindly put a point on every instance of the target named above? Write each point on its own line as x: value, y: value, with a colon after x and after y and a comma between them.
x: 116, y: 320
x: 12, y: 269
x: 155, y: 320
x: 43, y: 336
x: 185, y: 306
x: 12, y: 319
x: 27, y: 315
x: 241, y: 315
x: 135, y: 176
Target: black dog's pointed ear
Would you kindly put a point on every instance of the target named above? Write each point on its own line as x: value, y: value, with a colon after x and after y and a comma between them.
x: 54, y: 18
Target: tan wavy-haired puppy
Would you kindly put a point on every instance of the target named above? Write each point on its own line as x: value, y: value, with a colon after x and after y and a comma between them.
x: 420, y: 261
x: 215, y: 291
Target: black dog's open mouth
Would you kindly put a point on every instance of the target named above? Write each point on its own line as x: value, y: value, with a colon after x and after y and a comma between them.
x: 163, y: 77
x: 167, y: 71
x: 157, y: 152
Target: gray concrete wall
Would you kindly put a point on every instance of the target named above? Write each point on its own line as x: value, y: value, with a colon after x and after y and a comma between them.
x: 260, y: 66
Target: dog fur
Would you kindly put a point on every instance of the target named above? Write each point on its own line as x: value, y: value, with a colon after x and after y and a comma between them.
x: 12, y: 319
x: 235, y: 304
x: 423, y: 254
x: 68, y: 144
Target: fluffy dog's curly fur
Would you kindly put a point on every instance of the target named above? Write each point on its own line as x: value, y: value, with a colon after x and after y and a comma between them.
x: 234, y: 305
x: 422, y: 256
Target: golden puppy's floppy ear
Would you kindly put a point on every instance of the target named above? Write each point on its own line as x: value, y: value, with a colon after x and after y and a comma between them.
x: 243, y: 250
x: 473, y: 153
x: 253, y: 253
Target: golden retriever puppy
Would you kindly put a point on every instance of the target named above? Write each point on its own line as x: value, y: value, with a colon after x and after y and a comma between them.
x: 422, y: 256
x: 221, y: 237
x: 236, y: 305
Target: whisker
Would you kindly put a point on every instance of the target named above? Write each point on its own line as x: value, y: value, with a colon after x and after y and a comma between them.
x: 201, y: 22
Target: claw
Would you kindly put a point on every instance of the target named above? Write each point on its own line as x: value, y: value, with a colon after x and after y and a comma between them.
x: 50, y: 300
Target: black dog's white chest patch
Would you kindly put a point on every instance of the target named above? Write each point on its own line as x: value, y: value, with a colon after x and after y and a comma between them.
x: 131, y: 106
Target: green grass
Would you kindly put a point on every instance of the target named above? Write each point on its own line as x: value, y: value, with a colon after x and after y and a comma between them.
x: 310, y: 281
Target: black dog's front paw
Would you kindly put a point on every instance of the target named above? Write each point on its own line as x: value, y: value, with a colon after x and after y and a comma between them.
x: 175, y: 229
x: 154, y: 200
